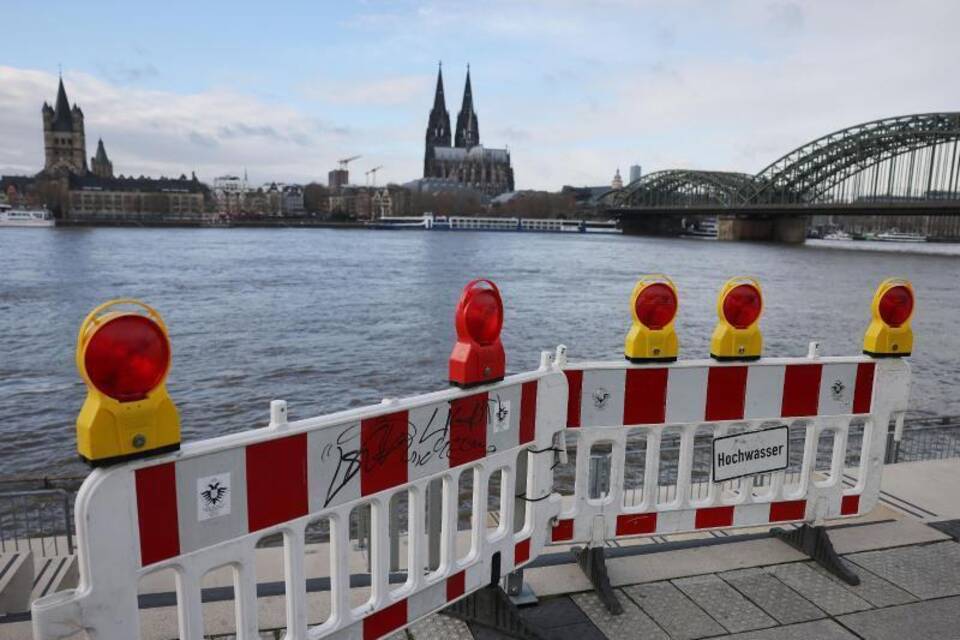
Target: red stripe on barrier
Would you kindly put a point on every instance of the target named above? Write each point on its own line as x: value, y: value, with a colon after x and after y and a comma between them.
x: 157, y: 513
x: 456, y: 585
x: 383, y: 452
x: 562, y: 531
x: 714, y: 517
x: 788, y: 510
x: 380, y: 623
x: 801, y: 390
x: 468, y: 429
x: 850, y: 505
x: 645, y: 396
x: 528, y: 412
x: 636, y: 523
x: 521, y: 552
x: 575, y: 384
x: 276, y: 481
x: 726, y: 393
x: 863, y: 390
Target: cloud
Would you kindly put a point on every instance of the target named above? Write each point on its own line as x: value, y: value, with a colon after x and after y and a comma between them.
x: 574, y: 89
x: 159, y: 132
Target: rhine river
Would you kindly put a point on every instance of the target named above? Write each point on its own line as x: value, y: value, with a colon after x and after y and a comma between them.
x: 331, y: 319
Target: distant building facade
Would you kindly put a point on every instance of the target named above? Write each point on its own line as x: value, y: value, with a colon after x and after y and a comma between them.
x: 635, y: 172
x: 291, y: 200
x: 352, y: 202
x: 123, y: 197
x: 391, y: 200
x: 466, y: 162
x: 617, y: 182
x: 338, y: 178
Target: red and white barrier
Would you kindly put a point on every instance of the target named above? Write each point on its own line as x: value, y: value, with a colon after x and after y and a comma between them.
x: 702, y: 400
x: 208, y: 505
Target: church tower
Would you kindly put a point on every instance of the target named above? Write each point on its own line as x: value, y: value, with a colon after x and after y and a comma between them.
x: 438, y: 125
x: 100, y: 164
x: 64, y: 144
x: 468, y: 131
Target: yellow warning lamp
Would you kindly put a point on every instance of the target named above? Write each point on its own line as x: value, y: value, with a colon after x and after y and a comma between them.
x: 652, y: 338
x: 124, y: 357
x: 889, y: 334
x: 737, y: 335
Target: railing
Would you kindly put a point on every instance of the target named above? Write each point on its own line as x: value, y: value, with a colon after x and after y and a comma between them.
x: 37, y: 514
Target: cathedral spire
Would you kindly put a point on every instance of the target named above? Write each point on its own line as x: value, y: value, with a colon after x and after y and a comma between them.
x: 100, y: 164
x: 468, y: 130
x: 439, y: 102
x: 467, y: 94
x: 62, y: 120
x: 438, y: 124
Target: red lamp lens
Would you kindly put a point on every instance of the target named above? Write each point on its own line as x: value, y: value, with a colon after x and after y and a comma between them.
x: 656, y: 305
x: 127, y: 357
x: 484, y: 316
x: 896, y: 305
x: 741, y: 307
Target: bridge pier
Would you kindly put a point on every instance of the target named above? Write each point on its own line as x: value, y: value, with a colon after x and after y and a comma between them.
x: 788, y: 230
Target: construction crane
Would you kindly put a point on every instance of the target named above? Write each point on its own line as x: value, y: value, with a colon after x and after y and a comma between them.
x: 346, y: 161
x: 374, y: 173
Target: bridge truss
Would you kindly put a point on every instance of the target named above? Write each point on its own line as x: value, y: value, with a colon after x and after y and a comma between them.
x: 893, y: 160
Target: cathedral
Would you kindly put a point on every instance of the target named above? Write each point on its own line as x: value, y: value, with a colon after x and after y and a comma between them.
x: 467, y: 162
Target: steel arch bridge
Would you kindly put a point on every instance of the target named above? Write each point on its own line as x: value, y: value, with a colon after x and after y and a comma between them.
x: 904, y: 158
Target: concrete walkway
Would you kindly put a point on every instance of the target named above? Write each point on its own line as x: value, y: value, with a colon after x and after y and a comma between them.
x: 906, y: 592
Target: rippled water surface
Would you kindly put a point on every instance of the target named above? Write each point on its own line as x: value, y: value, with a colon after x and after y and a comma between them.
x: 329, y: 319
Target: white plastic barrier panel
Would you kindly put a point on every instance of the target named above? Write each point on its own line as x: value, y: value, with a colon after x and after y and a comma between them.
x: 207, y: 506
x: 663, y: 460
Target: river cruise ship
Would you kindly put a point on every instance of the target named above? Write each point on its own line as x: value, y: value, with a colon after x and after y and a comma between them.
x: 10, y: 217
x: 476, y: 223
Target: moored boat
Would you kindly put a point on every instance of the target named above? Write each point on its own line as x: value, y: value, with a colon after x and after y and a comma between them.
x: 899, y: 236
x: 10, y: 217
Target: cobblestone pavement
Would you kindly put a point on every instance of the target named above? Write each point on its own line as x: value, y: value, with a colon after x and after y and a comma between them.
x: 907, y: 592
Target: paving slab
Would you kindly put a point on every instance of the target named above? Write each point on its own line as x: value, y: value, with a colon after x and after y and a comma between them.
x: 883, y: 535
x: 673, y: 611
x: 724, y: 603
x: 778, y: 600
x: 439, y: 627
x: 818, y: 630
x: 872, y: 587
x: 558, y: 618
x: 632, y: 623
x: 824, y: 592
x: 931, y: 620
x: 913, y: 482
x: 681, y: 563
x: 927, y: 571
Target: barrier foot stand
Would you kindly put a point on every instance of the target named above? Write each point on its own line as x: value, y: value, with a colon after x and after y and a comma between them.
x: 520, y: 593
x: 593, y: 563
x: 815, y: 543
x: 490, y: 607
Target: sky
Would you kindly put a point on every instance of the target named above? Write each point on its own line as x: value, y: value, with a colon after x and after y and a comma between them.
x: 574, y: 89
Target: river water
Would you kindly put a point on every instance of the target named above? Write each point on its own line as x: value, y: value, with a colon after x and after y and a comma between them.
x: 330, y: 319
